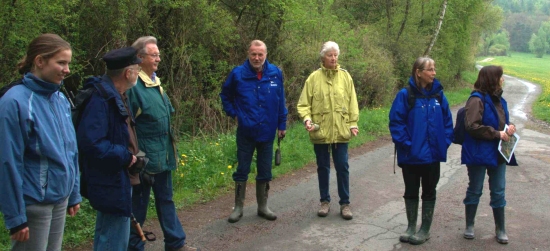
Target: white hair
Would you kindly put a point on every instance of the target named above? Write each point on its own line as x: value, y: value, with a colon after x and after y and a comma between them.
x: 142, y: 42
x: 327, y: 46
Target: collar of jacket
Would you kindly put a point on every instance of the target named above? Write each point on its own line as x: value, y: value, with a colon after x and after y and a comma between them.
x: 38, y: 85
x: 147, y: 80
x: 112, y: 92
x: 330, y: 73
x: 436, y: 87
x: 251, y: 73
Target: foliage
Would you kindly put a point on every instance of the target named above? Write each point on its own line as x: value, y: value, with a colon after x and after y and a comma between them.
x: 530, y: 6
x: 202, y: 40
x: 531, y: 68
x: 494, y: 44
x: 538, y: 44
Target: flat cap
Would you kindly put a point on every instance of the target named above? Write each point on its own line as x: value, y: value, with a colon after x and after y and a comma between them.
x: 120, y: 58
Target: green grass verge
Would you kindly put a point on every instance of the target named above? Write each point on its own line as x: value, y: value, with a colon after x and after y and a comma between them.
x: 527, y: 66
x: 206, y: 164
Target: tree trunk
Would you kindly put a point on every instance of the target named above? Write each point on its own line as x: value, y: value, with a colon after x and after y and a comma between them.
x: 407, y: 6
x: 443, y: 8
x: 388, y: 15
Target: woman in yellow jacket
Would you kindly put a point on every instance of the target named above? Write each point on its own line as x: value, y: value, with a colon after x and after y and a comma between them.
x: 328, y: 106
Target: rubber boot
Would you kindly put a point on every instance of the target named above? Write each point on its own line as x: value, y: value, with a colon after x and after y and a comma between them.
x: 262, y: 188
x: 500, y: 229
x: 240, y: 191
x: 427, y: 215
x: 411, y: 206
x: 470, y: 220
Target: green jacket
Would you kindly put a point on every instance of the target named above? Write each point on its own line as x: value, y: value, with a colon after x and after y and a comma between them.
x: 152, y: 111
x: 329, y: 100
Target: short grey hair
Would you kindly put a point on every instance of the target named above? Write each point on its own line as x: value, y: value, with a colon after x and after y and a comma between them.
x: 327, y: 46
x: 142, y: 42
x: 257, y: 42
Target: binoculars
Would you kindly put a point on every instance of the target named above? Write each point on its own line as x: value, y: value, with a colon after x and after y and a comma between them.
x: 139, y: 166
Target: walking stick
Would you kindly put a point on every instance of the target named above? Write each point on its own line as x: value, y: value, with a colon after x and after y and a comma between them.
x: 394, y: 157
x: 137, y: 227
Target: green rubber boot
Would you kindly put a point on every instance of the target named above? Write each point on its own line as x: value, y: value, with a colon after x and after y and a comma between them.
x: 500, y: 230
x: 262, y: 188
x: 240, y: 191
x: 470, y: 220
x: 411, y: 206
x: 427, y: 215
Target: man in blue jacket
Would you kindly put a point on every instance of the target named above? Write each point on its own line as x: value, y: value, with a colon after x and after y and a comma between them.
x: 108, y: 144
x: 254, y: 93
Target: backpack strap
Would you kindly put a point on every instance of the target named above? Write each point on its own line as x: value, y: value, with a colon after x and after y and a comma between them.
x: 7, y: 87
x: 101, y: 90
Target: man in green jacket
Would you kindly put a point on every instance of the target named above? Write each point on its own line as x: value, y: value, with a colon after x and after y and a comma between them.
x: 152, y: 110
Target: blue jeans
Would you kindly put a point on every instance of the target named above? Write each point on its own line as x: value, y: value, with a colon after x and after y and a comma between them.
x: 497, y: 185
x: 340, y: 159
x: 245, y: 151
x: 111, y: 232
x: 174, y: 236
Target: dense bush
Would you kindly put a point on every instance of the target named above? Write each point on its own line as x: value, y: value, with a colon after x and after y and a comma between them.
x: 498, y: 50
x: 201, y: 40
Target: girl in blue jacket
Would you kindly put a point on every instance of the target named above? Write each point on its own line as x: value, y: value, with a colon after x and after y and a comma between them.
x: 39, y: 176
x: 486, y: 114
x: 422, y: 131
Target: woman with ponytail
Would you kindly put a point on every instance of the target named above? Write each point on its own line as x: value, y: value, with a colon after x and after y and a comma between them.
x: 39, y: 176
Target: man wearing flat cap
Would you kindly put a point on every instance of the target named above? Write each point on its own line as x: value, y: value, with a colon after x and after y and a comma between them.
x: 108, y: 146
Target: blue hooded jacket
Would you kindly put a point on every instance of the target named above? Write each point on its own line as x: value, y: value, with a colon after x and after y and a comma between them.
x: 258, y: 104
x: 39, y: 154
x: 422, y: 134
x: 103, y: 140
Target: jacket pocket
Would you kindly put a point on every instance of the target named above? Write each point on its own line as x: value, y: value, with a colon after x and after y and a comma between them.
x: 321, y: 133
x: 344, y: 133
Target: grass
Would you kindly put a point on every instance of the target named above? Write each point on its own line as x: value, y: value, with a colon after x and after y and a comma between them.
x: 536, y: 70
x: 206, y: 164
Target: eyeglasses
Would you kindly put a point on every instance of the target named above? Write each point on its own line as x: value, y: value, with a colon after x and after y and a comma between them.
x: 431, y: 69
x: 156, y: 55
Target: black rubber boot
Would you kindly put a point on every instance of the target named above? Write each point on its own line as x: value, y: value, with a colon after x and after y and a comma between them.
x: 240, y: 191
x: 470, y: 220
x: 427, y: 215
x: 500, y: 229
x: 411, y: 206
x: 262, y: 188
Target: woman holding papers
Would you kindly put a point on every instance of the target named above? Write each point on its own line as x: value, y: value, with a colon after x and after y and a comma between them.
x: 486, y: 116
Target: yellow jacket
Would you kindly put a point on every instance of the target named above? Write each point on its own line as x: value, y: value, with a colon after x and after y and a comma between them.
x: 329, y: 100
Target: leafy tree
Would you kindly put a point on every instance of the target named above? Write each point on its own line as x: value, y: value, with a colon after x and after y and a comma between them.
x: 538, y: 44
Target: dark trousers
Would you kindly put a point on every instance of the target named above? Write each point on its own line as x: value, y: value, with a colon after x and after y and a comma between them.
x: 340, y: 159
x: 174, y: 236
x: 245, y: 153
x: 414, y: 175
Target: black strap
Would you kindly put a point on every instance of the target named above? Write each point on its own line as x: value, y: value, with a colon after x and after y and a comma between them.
x: 150, y: 236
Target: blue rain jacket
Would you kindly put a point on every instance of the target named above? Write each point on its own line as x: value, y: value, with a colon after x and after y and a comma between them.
x: 103, y: 139
x: 39, y: 154
x: 258, y: 104
x: 422, y: 134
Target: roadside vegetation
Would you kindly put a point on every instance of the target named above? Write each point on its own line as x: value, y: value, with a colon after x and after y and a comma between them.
x: 201, y: 40
x: 529, y: 67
